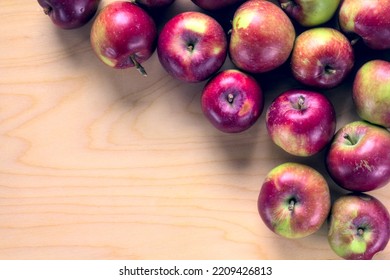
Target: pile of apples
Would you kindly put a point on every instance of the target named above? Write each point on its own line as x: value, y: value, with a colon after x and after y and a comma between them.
x: 294, y: 200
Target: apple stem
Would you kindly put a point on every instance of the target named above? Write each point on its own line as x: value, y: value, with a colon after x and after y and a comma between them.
x: 291, y: 205
x: 138, y: 66
x: 354, y: 41
x: 285, y: 5
x: 47, y: 10
x: 301, y: 102
x: 349, y: 138
x: 230, y: 98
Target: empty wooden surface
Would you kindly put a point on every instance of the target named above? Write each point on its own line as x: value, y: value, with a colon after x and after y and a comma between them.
x: 97, y: 163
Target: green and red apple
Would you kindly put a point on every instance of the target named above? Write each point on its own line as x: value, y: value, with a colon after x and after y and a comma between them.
x: 322, y: 57
x: 310, y: 13
x: 123, y: 35
x: 301, y: 122
x: 359, y: 157
x: 192, y: 46
x: 294, y: 200
x: 359, y: 227
x: 262, y: 36
x: 368, y: 19
x: 371, y: 92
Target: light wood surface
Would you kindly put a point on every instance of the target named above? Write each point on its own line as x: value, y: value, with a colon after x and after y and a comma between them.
x: 97, y: 163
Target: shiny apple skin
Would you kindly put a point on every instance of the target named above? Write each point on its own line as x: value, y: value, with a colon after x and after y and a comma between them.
x: 371, y: 92
x: 123, y: 30
x: 70, y: 14
x: 359, y: 157
x: 322, y: 57
x: 368, y: 19
x: 359, y: 226
x: 262, y: 37
x: 244, y: 108
x: 192, y: 47
x: 301, y: 122
x: 310, y: 193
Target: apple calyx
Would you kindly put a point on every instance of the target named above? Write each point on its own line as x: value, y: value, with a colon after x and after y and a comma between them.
x: 360, y: 231
x: 286, y: 5
x: 291, y: 205
x: 329, y: 70
x: 138, y: 66
x: 230, y: 98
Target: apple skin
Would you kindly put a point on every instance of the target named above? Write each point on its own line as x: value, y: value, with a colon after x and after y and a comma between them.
x: 359, y: 156
x: 322, y: 57
x: 70, y: 14
x: 216, y: 4
x: 368, y: 19
x: 310, y: 13
x: 152, y: 4
x: 301, y: 122
x: 123, y: 35
x: 262, y: 36
x: 232, y: 101
x: 294, y: 200
x: 359, y: 226
x: 192, y: 46
x: 371, y: 92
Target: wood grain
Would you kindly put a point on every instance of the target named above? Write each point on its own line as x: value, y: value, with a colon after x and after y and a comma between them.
x: 97, y: 163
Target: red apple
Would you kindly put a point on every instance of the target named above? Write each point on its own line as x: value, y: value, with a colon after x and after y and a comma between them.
x: 310, y: 12
x: 301, y: 122
x: 294, y: 200
x: 215, y: 4
x: 359, y: 157
x: 232, y: 101
x: 359, y: 227
x: 262, y: 37
x: 123, y: 35
x: 70, y: 14
x: 322, y: 57
x: 371, y: 92
x: 368, y: 19
x: 192, y: 46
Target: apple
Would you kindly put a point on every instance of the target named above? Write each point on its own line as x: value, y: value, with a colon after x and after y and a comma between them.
x: 371, y: 92
x: 123, y: 35
x: 70, y: 14
x: 294, y: 200
x: 310, y: 13
x: 153, y: 3
x: 301, y: 122
x: 359, y: 226
x: 359, y: 157
x: 232, y: 101
x: 262, y: 36
x: 216, y: 4
x: 192, y: 46
x: 322, y: 57
x: 369, y: 20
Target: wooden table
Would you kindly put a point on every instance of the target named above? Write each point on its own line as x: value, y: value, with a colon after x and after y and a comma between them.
x: 97, y: 163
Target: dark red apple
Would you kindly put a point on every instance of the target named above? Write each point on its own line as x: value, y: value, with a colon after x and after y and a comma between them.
x: 368, y: 19
x: 154, y: 3
x: 301, y: 122
x: 359, y: 157
x: 123, y: 35
x: 232, y: 101
x: 215, y: 4
x: 359, y: 227
x: 70, y: 14
x: 262, y: 36
x: 192, y: 46
x: 322, y: 57
x: 294, y: 200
